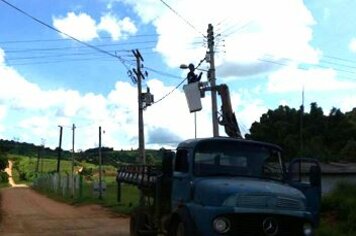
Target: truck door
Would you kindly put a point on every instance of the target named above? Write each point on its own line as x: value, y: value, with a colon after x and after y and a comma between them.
x: 181, y: 178
x: 305, y: 175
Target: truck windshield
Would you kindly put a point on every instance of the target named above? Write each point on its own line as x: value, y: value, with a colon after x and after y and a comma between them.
x: 233, y: 158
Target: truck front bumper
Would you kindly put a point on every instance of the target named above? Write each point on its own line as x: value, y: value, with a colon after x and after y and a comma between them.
x: 246, y: 221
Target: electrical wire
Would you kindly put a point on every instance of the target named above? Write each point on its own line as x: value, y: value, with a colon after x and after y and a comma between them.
x: 61, y: 32
x: 22, y: 50
x: 66, y: 39
x: 169, y: 93
x: 180, y: 16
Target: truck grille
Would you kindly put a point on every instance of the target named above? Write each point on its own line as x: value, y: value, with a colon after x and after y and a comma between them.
x: 261, y: 201
x: 287, y: 203
x: 253, y: 225
x: 252, y: 201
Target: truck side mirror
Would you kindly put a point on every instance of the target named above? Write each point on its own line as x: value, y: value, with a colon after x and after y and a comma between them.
x: 167, y: 162
x: 315, y: 176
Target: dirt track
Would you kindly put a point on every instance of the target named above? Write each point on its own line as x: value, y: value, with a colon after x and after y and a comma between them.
x: 25, y: 212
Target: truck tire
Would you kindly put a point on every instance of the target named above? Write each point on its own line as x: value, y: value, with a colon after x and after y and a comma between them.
x: 139, y: 223
x: 182, y: 224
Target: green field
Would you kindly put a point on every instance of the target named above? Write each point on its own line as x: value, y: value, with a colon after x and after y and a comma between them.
x: 24, y: 171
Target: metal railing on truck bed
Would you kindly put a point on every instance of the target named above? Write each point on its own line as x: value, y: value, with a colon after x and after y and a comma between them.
x: 139, y: 175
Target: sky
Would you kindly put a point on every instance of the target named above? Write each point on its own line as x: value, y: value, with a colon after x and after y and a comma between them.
x: 267, y: 52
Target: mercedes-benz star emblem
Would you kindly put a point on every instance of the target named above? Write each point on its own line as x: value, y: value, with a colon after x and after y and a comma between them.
x: 270, y: 226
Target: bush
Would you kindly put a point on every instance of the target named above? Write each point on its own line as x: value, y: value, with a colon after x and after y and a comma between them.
x: 338, y: 211
x: 4, y: 177
x: 23, y: 167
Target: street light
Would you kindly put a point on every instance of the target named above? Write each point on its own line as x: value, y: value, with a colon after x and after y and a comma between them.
x: 183, y: 66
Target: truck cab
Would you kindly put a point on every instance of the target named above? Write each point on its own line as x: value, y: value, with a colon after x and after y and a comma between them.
x: 229, y: 186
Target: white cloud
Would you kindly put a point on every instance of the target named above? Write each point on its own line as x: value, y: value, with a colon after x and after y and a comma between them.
x: 291, y: 79
x: 250, y: 29
x: 2, y: 56
x: 352, y: 45
x: 347, y: 103
x: 83, y: 27
x: 249, y: 113
x: 2, y: 116
x: 115, y: 27
x: 80, y: 26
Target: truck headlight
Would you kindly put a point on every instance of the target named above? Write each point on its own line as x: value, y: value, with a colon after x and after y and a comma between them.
x: 307, y: 229
x: 221, y: 225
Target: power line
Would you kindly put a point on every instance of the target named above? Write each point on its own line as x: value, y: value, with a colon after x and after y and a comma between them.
x: 21, y: 50
x: 59, y: 31
x: 180, y: 16
x: 308, y: 66
x: 169, y: 93
x: 59, y: 61
x: 66, y: 39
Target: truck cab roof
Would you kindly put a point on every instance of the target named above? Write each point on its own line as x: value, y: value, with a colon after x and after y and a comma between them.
x: 191, y: 143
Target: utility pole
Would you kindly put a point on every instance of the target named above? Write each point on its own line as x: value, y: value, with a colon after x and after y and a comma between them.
x: 212, y: 79
x: 73, y: 134
x: 100, y: 167
x: 139, y: 77
x: 301, y: 124
x: 59, y: 148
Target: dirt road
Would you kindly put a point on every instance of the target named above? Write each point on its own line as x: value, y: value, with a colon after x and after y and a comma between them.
x: 25, y: 212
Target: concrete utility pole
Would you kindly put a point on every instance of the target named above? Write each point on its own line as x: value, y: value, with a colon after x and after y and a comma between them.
x: 73, y: 134
x: 100, y: 167
x: 59, y: 149
x: 139, y: 77
x: 212, y: 79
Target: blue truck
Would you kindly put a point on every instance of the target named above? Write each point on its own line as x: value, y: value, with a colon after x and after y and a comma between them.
x: 225, y: 186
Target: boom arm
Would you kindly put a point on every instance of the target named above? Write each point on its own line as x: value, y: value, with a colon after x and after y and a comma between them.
x: 227, y: 117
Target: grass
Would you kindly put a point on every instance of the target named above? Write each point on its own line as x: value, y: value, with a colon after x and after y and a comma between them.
x: 338, y: 213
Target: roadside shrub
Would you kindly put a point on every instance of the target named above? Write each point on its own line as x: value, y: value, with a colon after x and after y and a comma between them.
x: 23, y: 167
x: 3, y: 177
x: 338, y: 210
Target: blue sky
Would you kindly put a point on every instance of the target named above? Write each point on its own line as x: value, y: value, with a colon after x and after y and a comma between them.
x: 266, y: 51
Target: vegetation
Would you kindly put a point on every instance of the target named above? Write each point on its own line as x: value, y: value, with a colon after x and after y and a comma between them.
x: 338, y: 215
x: 109, y: 155
x: 325, y: 137
x: 27, y: 169
x: 3, y: 165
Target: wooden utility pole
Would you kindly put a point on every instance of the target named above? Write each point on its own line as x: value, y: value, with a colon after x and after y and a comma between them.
x: 100, y: 167
x: 73, y: 135
x: 301, y: 124
x: 59, y: 148
x: 38, y: 159
x: 212, y: 79
x: 141, y: 135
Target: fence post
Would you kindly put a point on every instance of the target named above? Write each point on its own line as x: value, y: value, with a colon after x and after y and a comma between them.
x: 80, y: 186
x: 118, y: 191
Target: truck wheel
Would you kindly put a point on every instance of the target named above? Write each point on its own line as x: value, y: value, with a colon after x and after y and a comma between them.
x: 139, y: 222
x: 181, y: 229
x: 182, y: 225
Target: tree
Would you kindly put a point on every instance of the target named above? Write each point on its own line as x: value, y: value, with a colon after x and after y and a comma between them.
x: 3, y: 159
x: 349, y: 151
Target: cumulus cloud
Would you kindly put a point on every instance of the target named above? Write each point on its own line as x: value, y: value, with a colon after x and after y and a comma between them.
x: 80, y: 26
x: 159, y: 135
x: 291, y: 79
x: 352, y: 45
x: 252, y: 30
x: 83, y: 27
x: 2, y: 116
x: 347, y: 103
x: 116, y: 28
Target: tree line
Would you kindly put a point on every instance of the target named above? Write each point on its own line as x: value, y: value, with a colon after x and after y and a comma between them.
x: 330, y: 137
